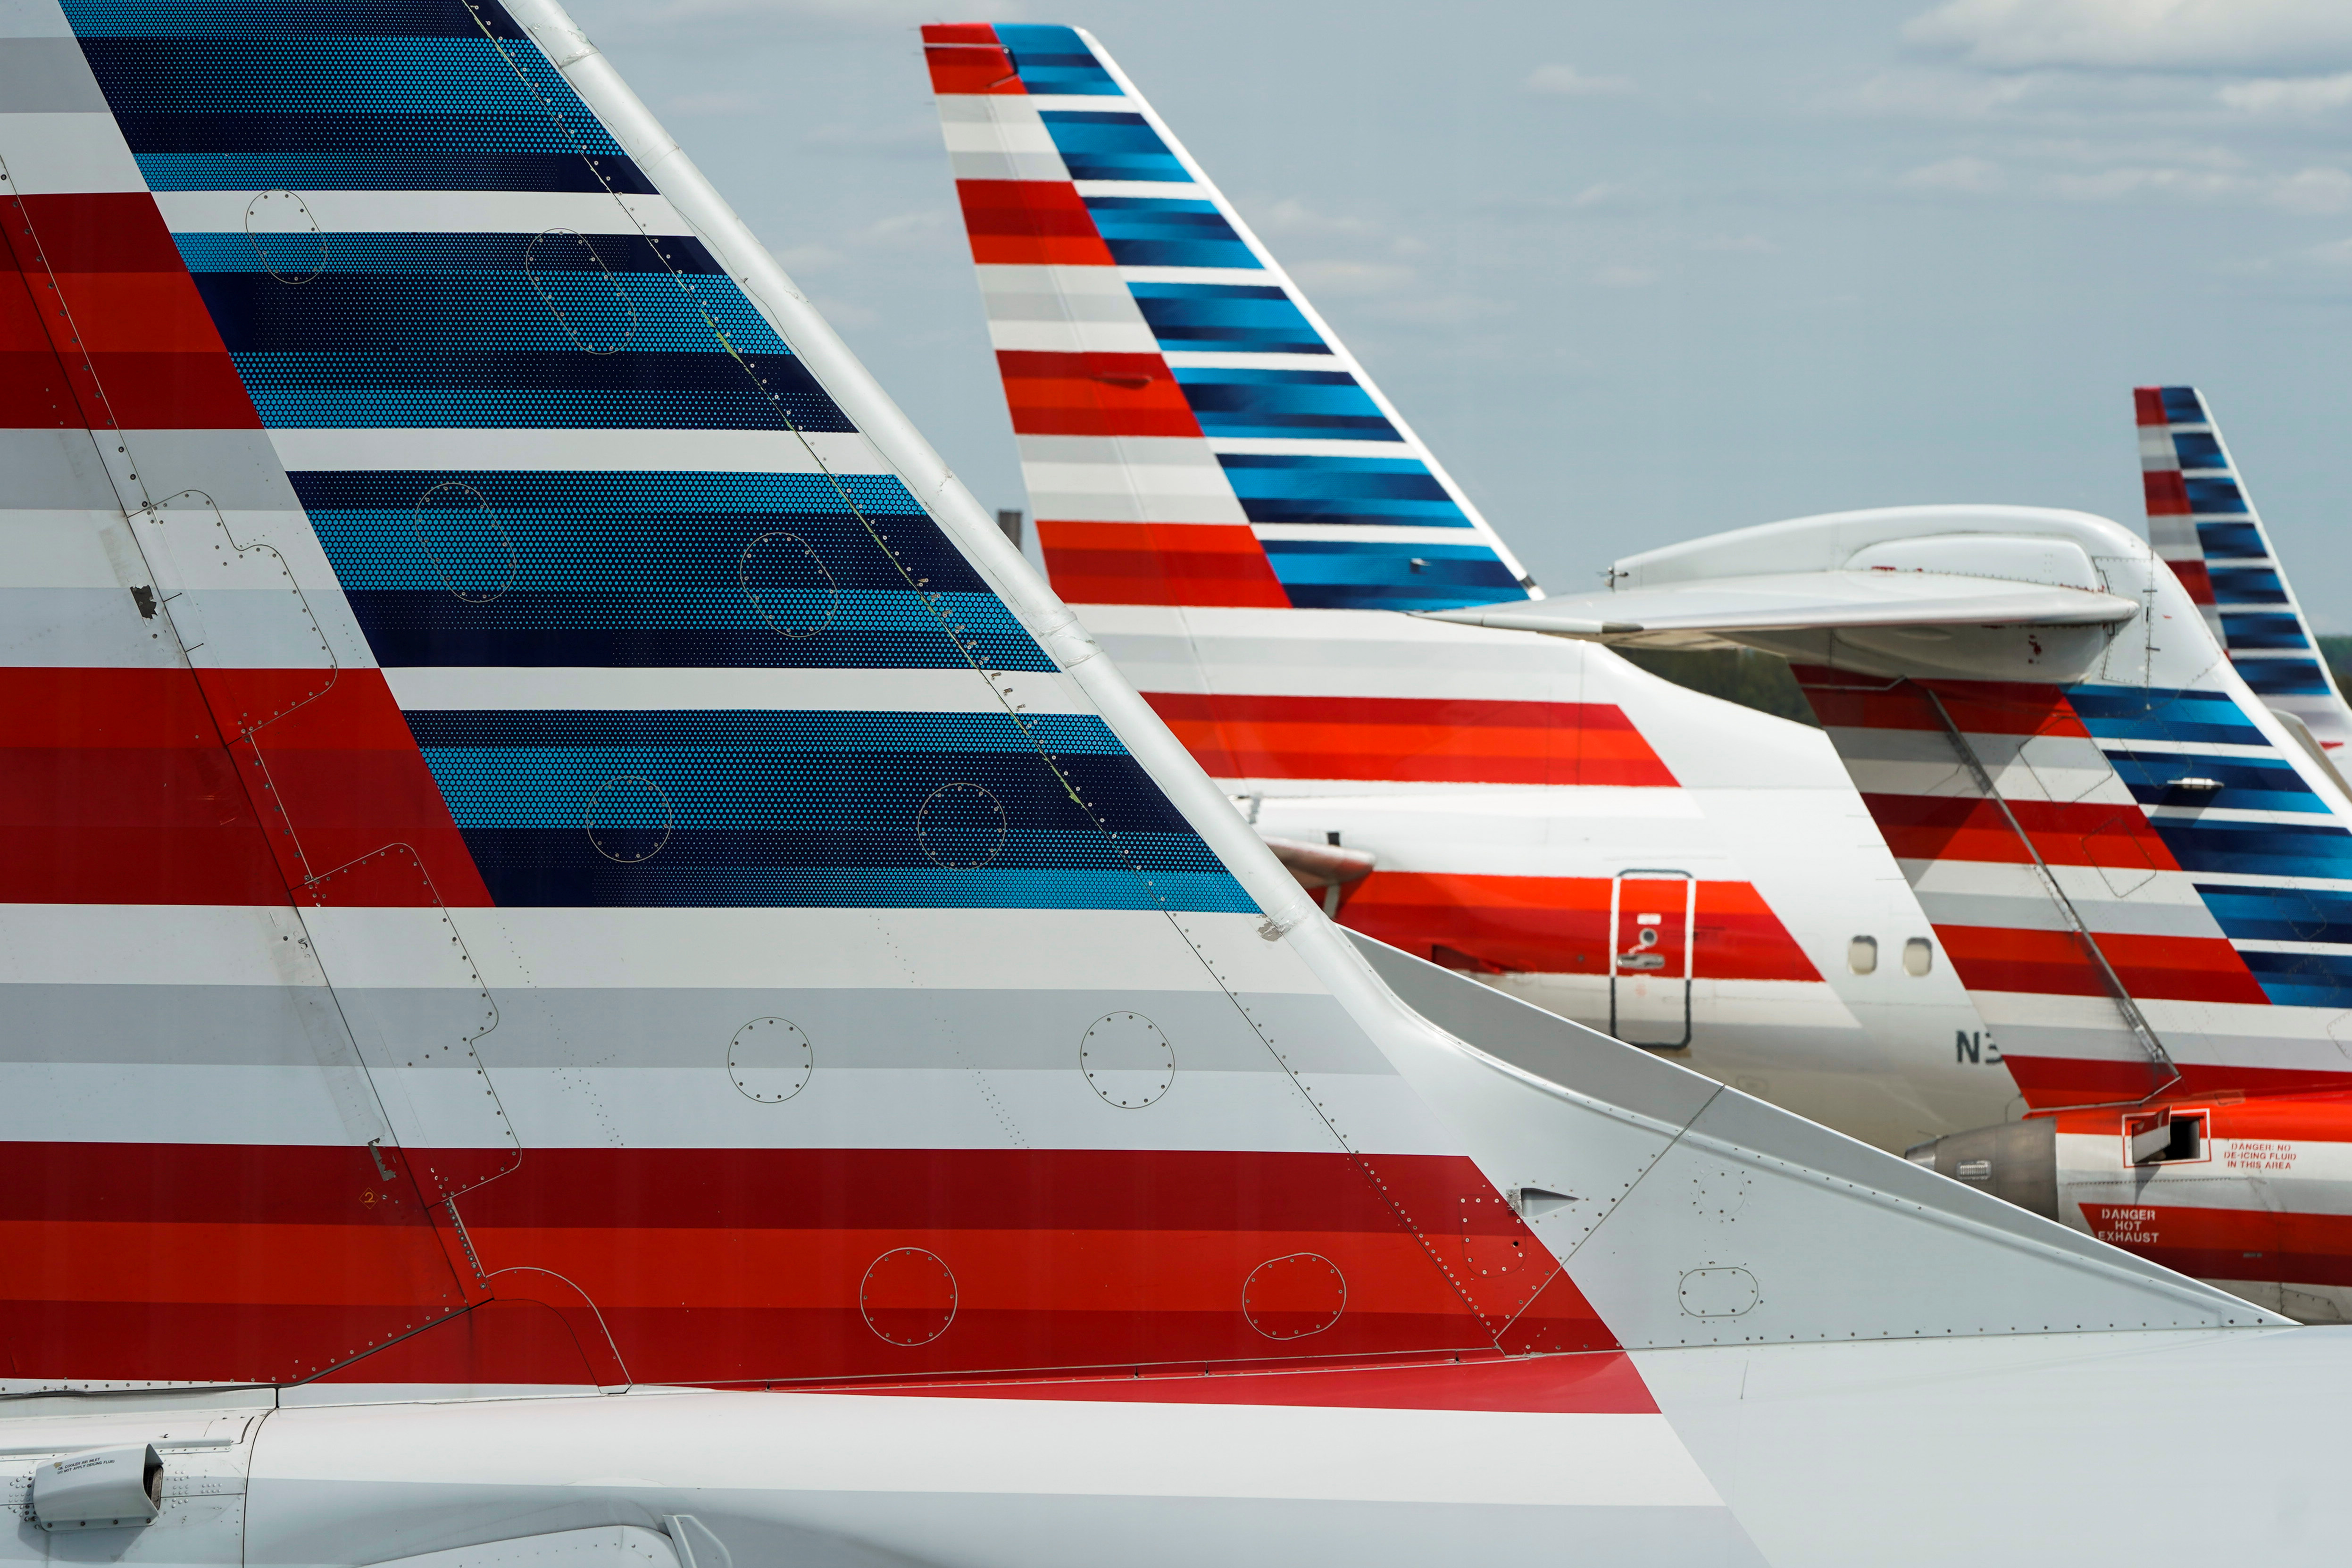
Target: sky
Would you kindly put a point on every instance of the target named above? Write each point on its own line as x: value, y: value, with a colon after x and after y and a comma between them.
x: 1642, y: 273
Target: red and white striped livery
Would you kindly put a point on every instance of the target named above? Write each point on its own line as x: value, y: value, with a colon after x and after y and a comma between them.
x: 1245, y: 521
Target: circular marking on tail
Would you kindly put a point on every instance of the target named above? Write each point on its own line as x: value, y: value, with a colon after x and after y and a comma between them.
x: 787, y: 584
x: 1487, y: 1251
x: 1127, y: 1059
x: 563, y: 266
x: 960, y: 826
x: 1718, y: 1193
x: 629, y: 819
x: 909, y: 1296
x: 770, y: 1060
x: 1292, y: 1296
x: 1717, y: 1291
x: 466, y: 543
x: 288, y: 240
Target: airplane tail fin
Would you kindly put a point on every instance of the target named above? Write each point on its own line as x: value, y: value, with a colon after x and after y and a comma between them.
x: 1192, y: 431
x: 2138, y: 869
x: 559, y: 845
x: 2204, y: 525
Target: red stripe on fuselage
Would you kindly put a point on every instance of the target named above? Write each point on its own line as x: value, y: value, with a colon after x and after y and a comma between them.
x: 1603, y: 1383
x: 1560, y: 925
x: 1412, y: 740
x: 2231, y: 1243
x: 2055, y: 1083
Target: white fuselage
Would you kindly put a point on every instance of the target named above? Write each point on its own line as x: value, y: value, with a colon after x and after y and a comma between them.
x: 1756, y: 806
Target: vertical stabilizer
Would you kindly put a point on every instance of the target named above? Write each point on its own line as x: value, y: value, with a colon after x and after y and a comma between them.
x: 768, y: 937
x: 2204, y: 525
x: 1190, y: 430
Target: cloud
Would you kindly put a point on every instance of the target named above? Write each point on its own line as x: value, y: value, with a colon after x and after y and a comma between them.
x: 2277, y: 95
x: 2315, y: 191
x: 1939, y: 94
x: 717, y: 101
x: 2139, y: 35
x: 1291, y: 216
x: 1624, y: 277
x: 771, y: 20
x: 1567, y: 81
x: 1353, y: 277
x: 809, y: 258
x: 2312, y: 192
x: 1976, y: 176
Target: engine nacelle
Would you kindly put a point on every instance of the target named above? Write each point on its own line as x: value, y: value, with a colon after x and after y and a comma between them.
x: 2017, y: 1160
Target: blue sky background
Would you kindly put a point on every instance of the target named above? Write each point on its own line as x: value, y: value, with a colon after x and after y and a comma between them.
x: 1639, y: 273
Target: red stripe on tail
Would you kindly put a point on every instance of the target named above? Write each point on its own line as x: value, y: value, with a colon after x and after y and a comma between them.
x: 1030, y: 223
x: 1094, y: 395
x: 1159, y: 563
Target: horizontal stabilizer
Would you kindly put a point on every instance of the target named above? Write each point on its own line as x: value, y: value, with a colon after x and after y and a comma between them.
x: 1879, y: 596
x: 1977, y: 592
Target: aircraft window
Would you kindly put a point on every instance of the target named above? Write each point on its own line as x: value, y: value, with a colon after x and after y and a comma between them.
x: 1918, y: 956
x: 1861, y: 955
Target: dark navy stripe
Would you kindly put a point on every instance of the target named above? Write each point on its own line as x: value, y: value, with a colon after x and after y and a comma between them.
x: 268, y: 76
x: 1303, y: 404
x: 244, y: 19
x: 1055, y: 60
x: 1353, y: 575
x: 536, y: 390
x: 1160, y: 231
x: 2218, y: 495
x: 1244, y: 316
x: 2302, y: 979
x: 2182, y: 406
x: 2199, y: 449
x: 2258, y: 630
x: 656, y: 629
x: 629, y: 531
x: 521, y: 872
x: 873, y: 799
x: 2129, y: 713
x: 2245, y: 785
x: 1376, y: 490
x: 409, y: 314
x: 398, y: 171
x: 2258, y: 849
x: 1110, y: 145
x: 2279, y: 914
x: 621, y: 254
x: 2232, y: 540
x: 2247, y: 586
x: 2284, y: 677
